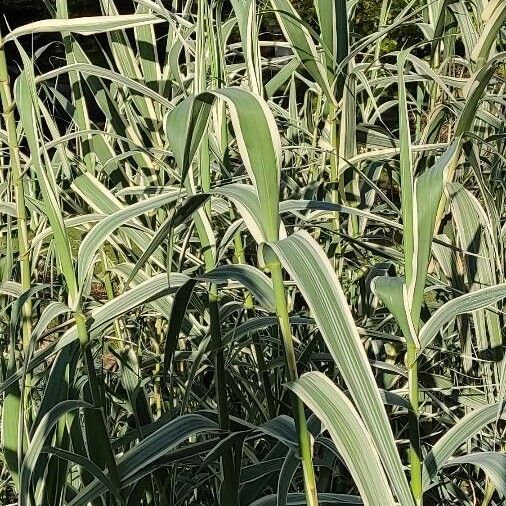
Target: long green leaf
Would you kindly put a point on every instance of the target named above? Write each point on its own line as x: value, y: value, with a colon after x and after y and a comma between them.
x: 307, y: 264
x: 351, y: 437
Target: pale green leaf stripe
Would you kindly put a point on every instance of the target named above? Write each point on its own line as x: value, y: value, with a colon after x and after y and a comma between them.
x: 161, y: 441
x: 257, y: 138
x: 184, y: 127
x: 9, y: 425
x: 148, y: 450
x: 408, y: 203
x: 151, y: 289
x: 283, y: 429
x: 27, y: 104
x: 259, y: 323
x: 38, y: 440
x: 467, y: 303
x: 465, y: 428
x: 245, y: 14
x: 251, y: 277
x: 495, y: 19
x: 102, y: 200
x: 148, y: 55
x: 308, y: 265
x: 264, y: 469
x: 8, y: 208
x: 351, y: 437
x: 110, y: 75
x: 84, y: 463
x: 493, y: 463
x: 302, y: 43
x: 99, y: 233
x: 11, y: 288
x: 474, y: 233
x: 88, y: 25
x: 319, y: 205
x: 392, y: 292
x: 428, y: 191
x: 74, y: 222
x: 53, y: 310
x: 245, y: 199
x: 473, y: 93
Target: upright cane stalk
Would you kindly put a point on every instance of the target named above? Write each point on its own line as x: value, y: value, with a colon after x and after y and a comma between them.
x: 19, y: 192
x: 304, y: 438
x: 415, y: 458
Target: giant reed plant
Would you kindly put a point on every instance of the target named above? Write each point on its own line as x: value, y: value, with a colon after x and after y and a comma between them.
x: 254, y: 259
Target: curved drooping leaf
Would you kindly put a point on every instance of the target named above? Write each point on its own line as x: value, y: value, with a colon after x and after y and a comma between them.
x: 95, y: 71
x: 102, y: 230
x: 392, y: 292
x: 148, y: 450
x: 464, y: 429
x: 86, y: 464
x: 245, y: 199
x: 87, y: 25
x: 350, y: 435
x: 11, y: 288
x: 251, y: 277
x: 283, y: 429
x: 308, y: 265
x: 493, y: 463
x: 38, y: 440
x: 257, y: 138
x: 466, y: 303
x: 143, y: 293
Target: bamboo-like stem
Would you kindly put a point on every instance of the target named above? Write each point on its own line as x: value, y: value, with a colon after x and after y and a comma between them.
x: 334, y: 179
x: 109, y: 290
x: 257, y: 345
x: 96, y: 417
x: 228, y: 495
x: 229, y: 491
x: 415, y: 458
x: 81, y: 113
x: 19, y: 192
x: 16, y: 177
x: 334, y: 163
x: 304, y: 438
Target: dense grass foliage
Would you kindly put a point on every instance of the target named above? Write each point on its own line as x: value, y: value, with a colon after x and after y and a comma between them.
x: 253, y: 258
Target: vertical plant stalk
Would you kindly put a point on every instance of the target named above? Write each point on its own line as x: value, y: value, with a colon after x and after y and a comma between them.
x: 259, y: 352
x: 257, y: 345
x: 409, y: 221
x: 415, y: 458
x: 16, y: 177
x: 228, y: 492
x: 304, y: 437
x: 157, y: 386
x: 254, y: 73
x: 95, y: 417
x: 81, y: 113
x: 109, y: 290
x: 334, y: 163
x: 19, y: 192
